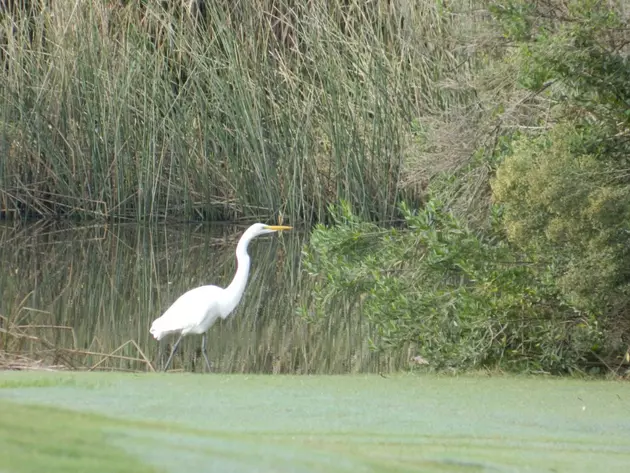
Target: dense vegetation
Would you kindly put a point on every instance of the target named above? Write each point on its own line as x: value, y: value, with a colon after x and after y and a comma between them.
x: 521, y: 258
x: 495, y: 133
x: 217, y: 110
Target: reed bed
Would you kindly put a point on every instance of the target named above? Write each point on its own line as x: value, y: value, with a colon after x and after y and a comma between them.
x: 223, y: 111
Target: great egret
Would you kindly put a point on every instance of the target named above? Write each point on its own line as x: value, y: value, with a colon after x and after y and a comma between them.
x: 196, y: 310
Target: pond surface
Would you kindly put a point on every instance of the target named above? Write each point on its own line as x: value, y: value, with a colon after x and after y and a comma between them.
x: 70, y: 294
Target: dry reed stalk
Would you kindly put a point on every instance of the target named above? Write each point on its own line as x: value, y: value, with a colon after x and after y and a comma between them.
x: 17, y: 362
x: 9, y: 360
x: 112, y: 355
x: 56, y: 327
x: 15, y: 333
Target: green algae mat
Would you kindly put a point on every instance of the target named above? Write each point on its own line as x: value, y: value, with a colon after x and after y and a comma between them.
x: 111, y: 422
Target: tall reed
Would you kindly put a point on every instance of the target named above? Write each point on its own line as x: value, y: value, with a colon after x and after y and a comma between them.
x: 139, y: 111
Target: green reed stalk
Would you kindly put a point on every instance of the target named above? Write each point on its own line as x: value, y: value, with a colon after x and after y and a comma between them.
x: 144, y: 112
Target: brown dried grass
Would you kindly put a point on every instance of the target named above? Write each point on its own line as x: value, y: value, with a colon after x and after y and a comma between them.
x: 42, y: 354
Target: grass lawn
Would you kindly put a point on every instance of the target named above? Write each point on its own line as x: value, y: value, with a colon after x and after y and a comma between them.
x: 111, y: 422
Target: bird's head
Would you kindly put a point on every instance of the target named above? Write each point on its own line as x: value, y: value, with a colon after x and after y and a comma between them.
x: 255, y: 230
x: 260, y: 229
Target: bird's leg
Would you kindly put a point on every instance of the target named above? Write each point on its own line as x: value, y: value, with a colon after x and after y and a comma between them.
x: 204, y: 340
x: 160, y: 354
x: 168, y: 362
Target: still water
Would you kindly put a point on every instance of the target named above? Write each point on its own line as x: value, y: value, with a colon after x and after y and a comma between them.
x: 71, y: 295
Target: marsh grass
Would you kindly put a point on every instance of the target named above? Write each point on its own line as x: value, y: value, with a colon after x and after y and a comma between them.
x: 84, y: 298
x: 253, y: 109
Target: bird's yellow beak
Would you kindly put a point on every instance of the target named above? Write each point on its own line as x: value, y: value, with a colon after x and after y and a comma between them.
x: 277, y: 228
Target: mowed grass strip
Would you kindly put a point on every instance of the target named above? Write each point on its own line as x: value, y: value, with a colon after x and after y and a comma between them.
x: 40, y: 438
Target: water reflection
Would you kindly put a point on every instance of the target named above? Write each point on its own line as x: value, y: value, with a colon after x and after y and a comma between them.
x: 70, y: 294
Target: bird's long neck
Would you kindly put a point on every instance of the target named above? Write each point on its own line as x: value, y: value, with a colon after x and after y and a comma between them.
x: 235, y: 290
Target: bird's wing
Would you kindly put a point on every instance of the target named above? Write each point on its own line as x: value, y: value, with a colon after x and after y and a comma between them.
x: 193, y: 312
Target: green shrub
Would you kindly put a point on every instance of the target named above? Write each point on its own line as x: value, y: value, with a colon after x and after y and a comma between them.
x: 573, y: 209
x: 464, y: 299
x: 564, y: 188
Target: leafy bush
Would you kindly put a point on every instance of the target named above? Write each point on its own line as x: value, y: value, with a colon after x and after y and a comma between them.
x: 464, y: 299
x: 565, y: 188
x: 572, y: 208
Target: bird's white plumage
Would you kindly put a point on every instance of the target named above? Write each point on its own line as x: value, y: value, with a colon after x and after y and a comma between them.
x: 195, y: 311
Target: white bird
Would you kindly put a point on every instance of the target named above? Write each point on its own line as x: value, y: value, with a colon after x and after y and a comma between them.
x: 196, y: 310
